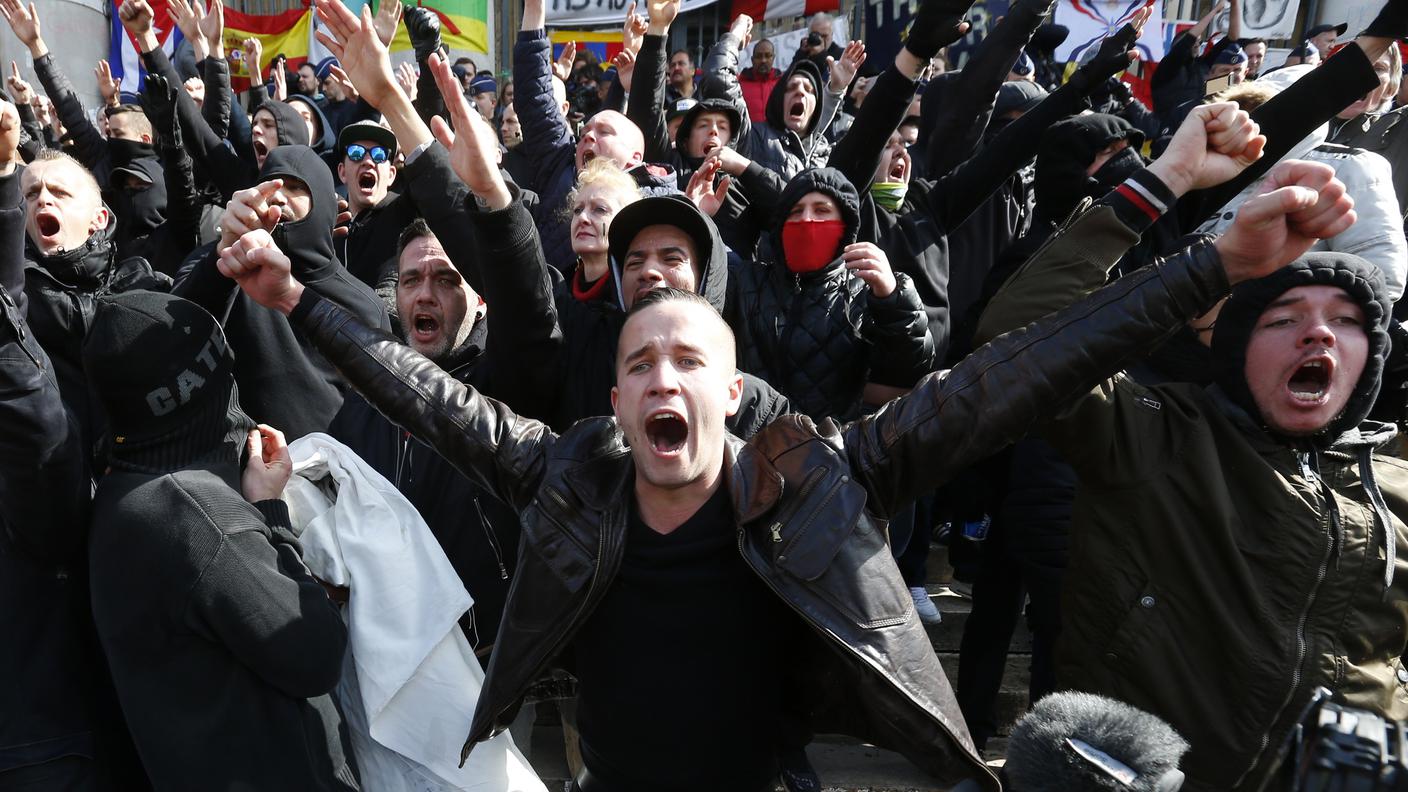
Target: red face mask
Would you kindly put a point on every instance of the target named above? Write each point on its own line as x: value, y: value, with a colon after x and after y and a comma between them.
x: 809, y: 245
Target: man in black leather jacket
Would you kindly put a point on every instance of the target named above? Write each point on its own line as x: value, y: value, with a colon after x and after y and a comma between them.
x: 804, y: 505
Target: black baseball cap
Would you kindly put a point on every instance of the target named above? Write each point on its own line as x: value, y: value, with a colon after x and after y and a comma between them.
x: 366, y: 130
x: 1318, y: 29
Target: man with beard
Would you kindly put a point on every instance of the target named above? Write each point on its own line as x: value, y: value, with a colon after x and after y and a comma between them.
x: 447, y: 321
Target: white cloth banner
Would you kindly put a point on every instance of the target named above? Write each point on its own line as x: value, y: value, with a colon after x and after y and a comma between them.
x: 586, y: 13
x: 1269, y: 19
x: 410, y: 679
x: 1090, y: 21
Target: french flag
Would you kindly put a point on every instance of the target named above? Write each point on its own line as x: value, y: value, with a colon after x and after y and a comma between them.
x: 123, y: 57
x: 780, y: 9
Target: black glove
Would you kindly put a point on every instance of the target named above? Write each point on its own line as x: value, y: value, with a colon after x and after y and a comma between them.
x: 1110, y: 59
x: 1392, y: 21
x: 423, y: 27
x: 159, y: 100
x: 935, y: 27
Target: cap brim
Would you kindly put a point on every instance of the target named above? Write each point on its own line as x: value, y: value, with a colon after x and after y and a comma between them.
x: 660, y: 210
x: 374, y: 132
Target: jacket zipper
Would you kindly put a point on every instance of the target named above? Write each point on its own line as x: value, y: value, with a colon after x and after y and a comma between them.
x: 845, y: 646
x: 493, y: 540
x: 1302, y: 646
x: 809, y: 484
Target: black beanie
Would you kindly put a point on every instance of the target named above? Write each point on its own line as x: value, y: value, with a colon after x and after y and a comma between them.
x: 153, y: 360
x: 1066, y: 150
x: 1362, y: 281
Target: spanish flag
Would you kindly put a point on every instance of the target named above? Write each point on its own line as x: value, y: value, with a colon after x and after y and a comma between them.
x: 285, y: 33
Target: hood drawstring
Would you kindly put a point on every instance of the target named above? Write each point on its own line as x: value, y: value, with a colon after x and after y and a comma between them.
x: 1381, y: 513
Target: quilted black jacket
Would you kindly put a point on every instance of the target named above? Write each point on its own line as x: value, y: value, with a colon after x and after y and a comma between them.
x: 819, y: 337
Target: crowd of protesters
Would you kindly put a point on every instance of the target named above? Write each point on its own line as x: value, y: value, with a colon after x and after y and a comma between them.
x: 684, y: 366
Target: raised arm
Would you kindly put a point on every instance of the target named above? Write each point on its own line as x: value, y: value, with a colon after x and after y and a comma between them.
x: 721, y: 71
x: 999, y: 392
x: 180, y: 231
x: 89, y: 146
x: 954, y: 197
x: 482, y: 438
x: 646, y: 104
x: 1214, y: 144
x: 545, y: 129
x: 968, y: 100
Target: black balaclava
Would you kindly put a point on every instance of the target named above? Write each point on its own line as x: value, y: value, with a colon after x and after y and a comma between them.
x: 1361, y: 280
x: 163, y: 372
x: 121, y: 152
x: 139, y: 210
x: 307, y: 242
x: 1068, y: 148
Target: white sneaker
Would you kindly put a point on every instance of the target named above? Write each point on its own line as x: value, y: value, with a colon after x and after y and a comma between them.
x: 924, y: 606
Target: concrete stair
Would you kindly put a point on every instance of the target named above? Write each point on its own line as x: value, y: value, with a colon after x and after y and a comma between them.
x: 843, y: 764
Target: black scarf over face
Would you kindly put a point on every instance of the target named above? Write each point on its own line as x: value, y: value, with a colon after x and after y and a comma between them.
x: 307, y: 242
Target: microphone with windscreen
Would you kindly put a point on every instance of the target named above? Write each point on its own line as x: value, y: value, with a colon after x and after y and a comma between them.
x: 1081, y: 741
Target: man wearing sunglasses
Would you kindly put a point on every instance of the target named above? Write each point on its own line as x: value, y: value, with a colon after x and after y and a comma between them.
x: 366, y: 168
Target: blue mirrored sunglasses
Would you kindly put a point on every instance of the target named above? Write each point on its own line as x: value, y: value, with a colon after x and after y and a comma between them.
x: 357, y: 152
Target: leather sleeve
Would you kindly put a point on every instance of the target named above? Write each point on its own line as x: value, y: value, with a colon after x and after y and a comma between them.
x: 646, y: 104
x: 858, y: 153
x: 496, y: 449
x: 998, y: 393
x: 215, y: 72
x: 227, y: 171
x: 89, y: 146
x: 721, y: 82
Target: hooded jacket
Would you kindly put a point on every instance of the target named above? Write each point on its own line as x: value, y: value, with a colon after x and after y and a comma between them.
x: 770, y: 143
x: 1219, y: 572
x: 139, y: 210
x: 286, y: 383
x: 821, y: 336
x: 225, y: 632
x: 326, y: 139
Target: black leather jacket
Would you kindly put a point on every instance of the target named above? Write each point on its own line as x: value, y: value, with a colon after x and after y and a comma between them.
x: 811, y: 501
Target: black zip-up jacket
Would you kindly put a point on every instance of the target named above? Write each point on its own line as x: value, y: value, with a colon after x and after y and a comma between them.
x: 283, y: 381
x: 809, y: 502
x: 220, y: 642
x: 57, y: 701
x: 821, y: 336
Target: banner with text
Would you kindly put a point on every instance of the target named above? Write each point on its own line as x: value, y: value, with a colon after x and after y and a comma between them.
x: 589, y: 13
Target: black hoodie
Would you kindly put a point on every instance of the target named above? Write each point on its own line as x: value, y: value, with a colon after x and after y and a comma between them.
x: 286, y: 383
x: 326, y: 139
x: 771, y: 144
x: 820, y: 336
x: 221, y: 639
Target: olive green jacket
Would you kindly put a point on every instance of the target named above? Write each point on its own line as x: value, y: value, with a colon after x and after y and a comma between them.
x: 1218, y: 575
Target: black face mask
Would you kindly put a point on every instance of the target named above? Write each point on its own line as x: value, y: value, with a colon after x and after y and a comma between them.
x: 122, y: 152
x: 1116, y: 169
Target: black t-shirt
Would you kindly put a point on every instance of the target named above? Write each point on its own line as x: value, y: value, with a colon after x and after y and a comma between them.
x: 679, y: 665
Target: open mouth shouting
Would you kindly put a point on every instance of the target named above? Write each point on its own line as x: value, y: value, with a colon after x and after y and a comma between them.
x: 797, y: 113
x: 667, y: 432
x: 367, y: 181
x: 1309, y: 383
x: 261, y: 150
x: 49, y: 228
x: 899, y: 170
x: 425, y: 327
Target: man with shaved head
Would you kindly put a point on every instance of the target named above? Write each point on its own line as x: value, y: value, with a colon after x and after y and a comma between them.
x: 556, y: 157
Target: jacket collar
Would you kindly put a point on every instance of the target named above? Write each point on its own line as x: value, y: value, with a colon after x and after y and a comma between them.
x: 754, y: 485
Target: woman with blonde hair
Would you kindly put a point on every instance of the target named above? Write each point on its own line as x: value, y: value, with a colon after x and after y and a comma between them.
x: 602, y: 190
